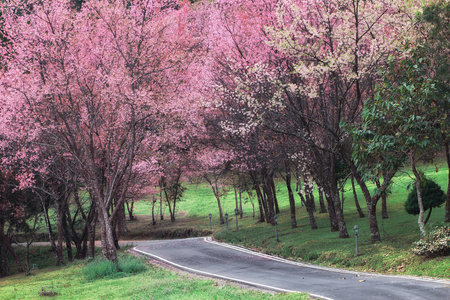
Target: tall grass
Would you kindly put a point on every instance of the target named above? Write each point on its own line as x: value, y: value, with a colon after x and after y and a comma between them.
x: 102, y: 268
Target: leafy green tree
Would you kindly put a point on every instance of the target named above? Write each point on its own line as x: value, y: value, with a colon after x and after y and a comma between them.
x: 403, y: 119
x: 435, y: 22
x: 432, y: 196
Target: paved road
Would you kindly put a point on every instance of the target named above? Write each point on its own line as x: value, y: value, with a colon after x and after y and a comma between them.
x: 206, y: 257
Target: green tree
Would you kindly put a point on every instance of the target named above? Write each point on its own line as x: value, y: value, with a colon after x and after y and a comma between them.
x: 435, y: 23
x: 403, y: 119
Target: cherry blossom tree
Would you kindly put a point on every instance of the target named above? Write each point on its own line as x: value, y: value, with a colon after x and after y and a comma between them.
x: 95, y: 81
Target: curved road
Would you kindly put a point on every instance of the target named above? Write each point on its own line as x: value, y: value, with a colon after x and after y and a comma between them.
x: 206, y: 257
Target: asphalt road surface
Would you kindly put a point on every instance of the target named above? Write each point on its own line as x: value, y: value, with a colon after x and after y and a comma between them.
x: 206, y: 257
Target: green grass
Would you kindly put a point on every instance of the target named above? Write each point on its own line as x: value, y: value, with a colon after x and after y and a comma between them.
x: 102, y: 268
x: 68, y: 282
x: 319, y: 246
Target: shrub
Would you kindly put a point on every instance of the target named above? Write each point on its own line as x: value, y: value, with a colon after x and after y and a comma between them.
x: 437, y: 243
x: 103, y: 268
x: 131, y: 265
x: 432, y: 196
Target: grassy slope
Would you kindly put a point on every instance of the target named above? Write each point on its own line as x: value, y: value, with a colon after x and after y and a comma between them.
x: 155, y: 283
x: 315, y: 246
x: 318, y: 246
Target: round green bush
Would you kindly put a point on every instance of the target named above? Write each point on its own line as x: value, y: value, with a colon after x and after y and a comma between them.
x: 432, y: 196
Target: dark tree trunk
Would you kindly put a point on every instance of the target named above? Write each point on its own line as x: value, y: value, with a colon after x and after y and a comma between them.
x: 291, y: 195
x: 267, y: 191
x: 331, y: 212
x: 60, y: 212
x: 274, y: 192
x: 45, y: 206
x: 323, y: 208
x: 153, y: 211
x: 236, y: 197
x: 428, y: 216
x: 355, y: 196
x: 334, y: 194
x: 116, y: 239
x: 447, y: 202
x: 91, y: 233
x: 67, y: 236
x: 121, y: 220
x: 130, y: 208
x: 262, y: 206
x: 4, y: 262
x: 384, y: 213
x: 7, y: 244
x: 161, y: 214
x: 215, y: 190
x: 241, y: 211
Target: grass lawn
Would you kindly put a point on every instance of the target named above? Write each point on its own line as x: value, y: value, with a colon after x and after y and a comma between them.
x: 68, y: 282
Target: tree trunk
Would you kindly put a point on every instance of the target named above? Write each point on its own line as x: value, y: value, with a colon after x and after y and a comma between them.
x: 67, y: 236
x: 121, y: 219
x: 267, y: 191
x: 428, y: 216
x: 371, y: 201
x: 384, y: 213
x: 60, y: 211
x: 241, y: 211
x: 447, y: 202
x: 47, y: 222
x: 91, y: 233
x: 130, y: 208
x: 331, y: 212
x: 161, y: 215
x: 418, y: 185
x: 306, y: 202
x: 6, y: 243
x: 236, y: 197
x: 262, y: 206
x: 153, y: 211
x: 274, y: 192
x: 108, y: 247
x: 323, y: 208
x: 334, y: 194
x: 309, y: 193
x: 215, y: 190
x: 4, y: 262
x: 291, y: 195
x: 355, y: 196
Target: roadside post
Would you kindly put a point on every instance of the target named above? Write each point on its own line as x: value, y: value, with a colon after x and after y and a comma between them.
x: 210, y: 222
